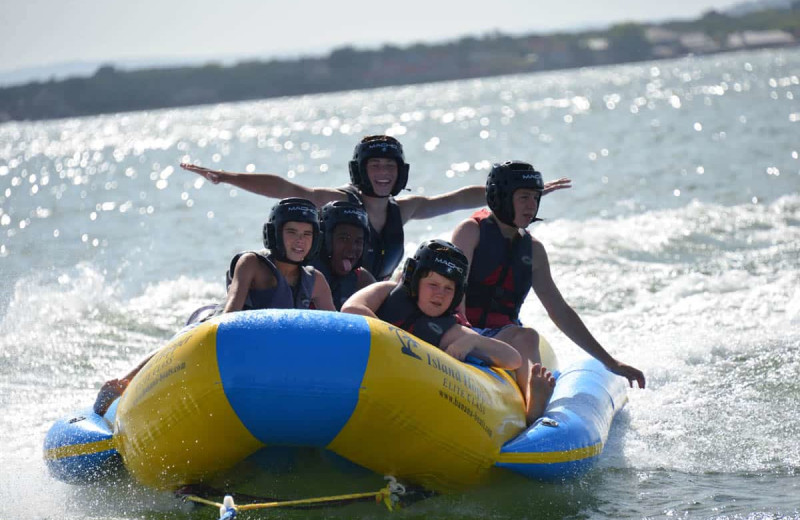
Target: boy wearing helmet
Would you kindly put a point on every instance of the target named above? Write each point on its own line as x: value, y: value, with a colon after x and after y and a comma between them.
x: 273, y: 279
x: 378, y: 173
x: 506, y: 262
x: 344, y: 230
x: 278, y: 277
x: 424, y: 303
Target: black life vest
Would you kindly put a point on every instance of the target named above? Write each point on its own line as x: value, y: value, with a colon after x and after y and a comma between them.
x: 385, y: 249
x: 500, y: 276
x: 283, y: 295
x: 342, y: 287
x: 401, y: 310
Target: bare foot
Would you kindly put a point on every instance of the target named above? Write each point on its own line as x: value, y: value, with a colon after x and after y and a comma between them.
x: 542, y: 384
x: 108, y: 392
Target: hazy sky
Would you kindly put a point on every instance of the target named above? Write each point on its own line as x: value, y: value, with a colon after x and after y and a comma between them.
x: 37, y: 33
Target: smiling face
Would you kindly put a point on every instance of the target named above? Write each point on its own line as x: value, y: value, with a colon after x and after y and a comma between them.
x: 382, y: 173
x: 346, y: 249
x: 297, y: 240
x: 526, y: 205
x: 436, y: 293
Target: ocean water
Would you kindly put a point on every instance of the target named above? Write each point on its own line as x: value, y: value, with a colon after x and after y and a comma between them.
x: 679, y: 245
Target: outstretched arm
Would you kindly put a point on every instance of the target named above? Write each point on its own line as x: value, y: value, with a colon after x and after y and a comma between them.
x: 566, y: 319
x: 459, y: 342
x: 266, y: 184
x: 558, y: 184
x: 421, y: 207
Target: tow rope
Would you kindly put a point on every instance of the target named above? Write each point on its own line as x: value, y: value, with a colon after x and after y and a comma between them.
x: 228, y: 509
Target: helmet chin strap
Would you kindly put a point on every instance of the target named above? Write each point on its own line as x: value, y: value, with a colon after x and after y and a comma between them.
x: 533, y: 220
x: 503, y: 221
x: 514, y: 224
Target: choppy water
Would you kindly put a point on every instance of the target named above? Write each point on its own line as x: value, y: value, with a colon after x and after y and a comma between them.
x: 679, y: 245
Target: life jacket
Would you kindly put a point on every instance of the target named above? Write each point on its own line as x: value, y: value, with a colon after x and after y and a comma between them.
x: 401, y: 310
x: 500, y: 276
x: 283, y: 295
x: 342, y: 287
x: 385, y: 249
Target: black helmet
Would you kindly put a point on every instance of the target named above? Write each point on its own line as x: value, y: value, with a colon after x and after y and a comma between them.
x: 293, y: 209
x: 342, y: 212
x: 503, y: 180
x: 389, y: 148
x: 440, y: 257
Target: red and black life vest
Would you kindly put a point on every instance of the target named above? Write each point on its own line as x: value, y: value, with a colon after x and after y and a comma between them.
x: 500, y: 275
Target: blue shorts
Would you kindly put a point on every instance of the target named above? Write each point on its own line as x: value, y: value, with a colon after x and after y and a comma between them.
x: 492, y: 332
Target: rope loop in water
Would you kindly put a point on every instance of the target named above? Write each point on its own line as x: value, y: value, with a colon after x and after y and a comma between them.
x: 389, y: 496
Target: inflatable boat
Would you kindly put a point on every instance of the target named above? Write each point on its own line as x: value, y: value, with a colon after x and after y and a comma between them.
x: 365, y: 390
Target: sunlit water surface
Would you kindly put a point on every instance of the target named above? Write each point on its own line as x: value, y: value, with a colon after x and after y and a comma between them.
x: 679, y: 244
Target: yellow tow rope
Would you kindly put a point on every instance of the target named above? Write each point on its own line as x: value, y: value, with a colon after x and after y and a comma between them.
x: 228, y: 509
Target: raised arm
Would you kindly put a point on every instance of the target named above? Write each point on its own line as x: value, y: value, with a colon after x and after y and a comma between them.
x: 368, y: 300
x: 459, y: 341
x: 421, y: 207
x: 566, y: 319
x: 267, y: 184
x: 558, y: 184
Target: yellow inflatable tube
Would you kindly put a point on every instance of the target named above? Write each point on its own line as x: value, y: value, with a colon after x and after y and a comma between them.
x: 364, y: 389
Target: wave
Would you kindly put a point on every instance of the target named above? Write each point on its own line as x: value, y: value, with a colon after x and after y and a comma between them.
x: 77, y: 325
x: 705, y: 299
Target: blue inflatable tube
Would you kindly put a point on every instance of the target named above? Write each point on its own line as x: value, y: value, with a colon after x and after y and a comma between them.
x: 568, y: 438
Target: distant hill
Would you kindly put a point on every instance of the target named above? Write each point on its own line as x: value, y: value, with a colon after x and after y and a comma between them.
x: 47, y: 72
x: 85, y: 69
x: 111, y: 89
x: 745, y: 8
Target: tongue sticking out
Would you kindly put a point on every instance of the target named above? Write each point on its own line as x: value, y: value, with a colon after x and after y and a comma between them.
x: 347, y: 265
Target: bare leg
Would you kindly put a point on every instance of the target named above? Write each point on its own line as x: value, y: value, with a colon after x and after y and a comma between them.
x: 542, y: 384
x: 526, y: 341
x: 534, y: 380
